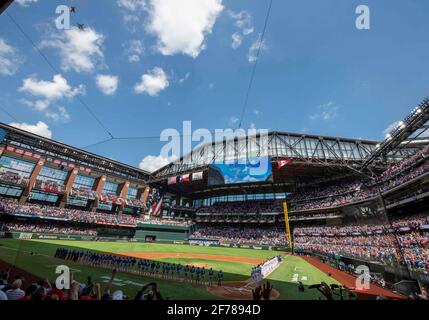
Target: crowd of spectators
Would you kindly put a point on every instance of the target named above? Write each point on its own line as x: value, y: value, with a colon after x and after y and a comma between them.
x: 407, y: 242
x: 13, y: 178
x: 342, y: 194
x: 405, y: 164
x: 86, y: 193
x: 248, y: 235
x: 165, y: 222
x: 136, y: 203
x: 332, y: 195
x: 253, y: 206
x: 82, y: 192
x: 13, y: 289
x: 11, y: 206
x: 50, y: 186
x: 38, y: 227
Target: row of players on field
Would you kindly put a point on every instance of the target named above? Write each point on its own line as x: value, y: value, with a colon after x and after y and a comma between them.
x: 142, y: 266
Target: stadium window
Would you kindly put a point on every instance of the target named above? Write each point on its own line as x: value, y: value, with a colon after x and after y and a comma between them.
x: 16, y: 166
x: 10, y: 191
x: 110, y: 187
x: 52, y: 174
x: 42, y: 196
x: 132, y: 193
x: 77, y: 202
x: 130, y: 210
x: 105, y: 206
x: 85, y: 182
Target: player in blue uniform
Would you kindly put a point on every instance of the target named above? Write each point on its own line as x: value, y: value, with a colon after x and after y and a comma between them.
x: 219, y: 278
x: 186, y: 270
x: 211, y: 273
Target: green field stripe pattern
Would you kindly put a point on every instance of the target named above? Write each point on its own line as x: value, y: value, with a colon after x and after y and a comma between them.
x: 37, y: 258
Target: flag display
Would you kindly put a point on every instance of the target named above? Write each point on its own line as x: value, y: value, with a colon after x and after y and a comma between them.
x: 197, y: 176
x: 282, y: 163
x: 156, y: 209
x: 184, y: 178
x: 172, y: 180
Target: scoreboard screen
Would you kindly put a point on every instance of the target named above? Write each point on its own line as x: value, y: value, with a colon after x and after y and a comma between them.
x: 241, y: 171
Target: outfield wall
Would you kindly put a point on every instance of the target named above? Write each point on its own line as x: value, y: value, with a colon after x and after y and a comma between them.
x: 162, y: 233
x: 46, y: 236
x: 43, y: 236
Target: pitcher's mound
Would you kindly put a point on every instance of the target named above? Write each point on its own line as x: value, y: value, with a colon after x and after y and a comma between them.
x: 237, y: 290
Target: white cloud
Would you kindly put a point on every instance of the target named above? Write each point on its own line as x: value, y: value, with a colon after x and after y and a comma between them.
x: 186, y: 77
x: 243, y: 21
x: 181, y: 26
x: 132, y: 5
x: 60, y: 115
x: 107, y: 84
x: 39, y: 105
x: 80, y: 50
x: 237, y: 39
x: 153, y: 82
x: 48, y: 91
x: 25, y: 3
x: 254, y: 48
x: 10, y: 59
x: 233, y: 120
x: 40, y: 128
x: 134, y: 50
x: 327, y: 111
x: 153, y: 163
x: 132, y: 11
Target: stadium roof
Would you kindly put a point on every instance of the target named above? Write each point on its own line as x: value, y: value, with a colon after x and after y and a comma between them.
x: 47, y: 146
x: 4, y: 4
x: 302, y: 148
x: 408, y: 133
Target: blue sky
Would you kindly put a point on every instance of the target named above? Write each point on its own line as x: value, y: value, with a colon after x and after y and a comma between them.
x: 146, y: 65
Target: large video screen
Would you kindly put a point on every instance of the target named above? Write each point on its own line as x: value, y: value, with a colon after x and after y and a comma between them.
x: 241, y: 171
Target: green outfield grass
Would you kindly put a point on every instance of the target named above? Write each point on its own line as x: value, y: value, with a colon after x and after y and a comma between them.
x: 36, y: 256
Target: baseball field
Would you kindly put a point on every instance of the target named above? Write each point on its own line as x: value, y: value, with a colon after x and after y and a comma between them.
x: 36, y: 257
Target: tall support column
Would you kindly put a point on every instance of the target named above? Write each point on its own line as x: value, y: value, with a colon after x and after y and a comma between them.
x: 68, y: 186
x: 123, y: 193
x: 98, y: 188
x: 143, y: 194
x: 32, y: 181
